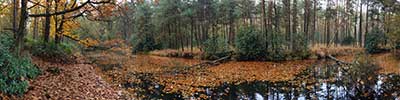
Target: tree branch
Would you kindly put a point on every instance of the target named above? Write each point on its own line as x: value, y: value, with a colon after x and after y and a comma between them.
x: 35, y: 4
x: 68, y: 10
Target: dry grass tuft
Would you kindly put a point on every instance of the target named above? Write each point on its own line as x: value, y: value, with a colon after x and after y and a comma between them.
x: 336, y: 50
x: 186, y: 53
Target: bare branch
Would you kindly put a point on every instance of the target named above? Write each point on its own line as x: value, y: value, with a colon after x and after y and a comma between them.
x: 35, y: 4
x: 68, y: 10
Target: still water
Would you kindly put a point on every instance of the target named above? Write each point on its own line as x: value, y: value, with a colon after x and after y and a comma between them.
x: 323, y: 81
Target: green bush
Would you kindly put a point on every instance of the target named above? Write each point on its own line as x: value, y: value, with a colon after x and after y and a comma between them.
x: 348, y: 40
x: 144, y: 43
x: 249, y: 44
x: 53, y: 52
x: 215, y: 47
x: 276, y: 51
x: 277, y: 48
x: 363, y: 73
x: 14, y: 70
x: 374, y: 41
x: 397, y: 45
x: 300, y: 47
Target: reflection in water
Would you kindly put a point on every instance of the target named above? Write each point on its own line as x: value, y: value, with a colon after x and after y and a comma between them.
x: 325, y: 81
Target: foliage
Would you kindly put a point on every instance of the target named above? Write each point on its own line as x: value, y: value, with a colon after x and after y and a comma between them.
x: 300, y: 47
x: 14, y: 71
x: 393, y: 32
x: 276, y: 51
x: 249, y: 44
x: 215, y: 47
x: 53, y: 52
x: 364, y: 67
x: 348, y: 40
x: 144, y: 43
x: 364, y: 74
x: 374, y: 41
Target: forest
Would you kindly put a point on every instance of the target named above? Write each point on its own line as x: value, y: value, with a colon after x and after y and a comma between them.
x: 200, y: 49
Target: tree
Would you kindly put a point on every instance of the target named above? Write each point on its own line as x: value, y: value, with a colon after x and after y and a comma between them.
x: 22, y: 27
x: 307, y: 19
x: 264, y: 19
x: 360, y: 33
x: 287, y: 21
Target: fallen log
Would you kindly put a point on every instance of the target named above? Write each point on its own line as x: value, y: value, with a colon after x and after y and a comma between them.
x: 337, y: 60
x: 215, y: 62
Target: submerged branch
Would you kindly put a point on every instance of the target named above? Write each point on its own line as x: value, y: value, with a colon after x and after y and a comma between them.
x: 338, y: 61
x: 215, y: 62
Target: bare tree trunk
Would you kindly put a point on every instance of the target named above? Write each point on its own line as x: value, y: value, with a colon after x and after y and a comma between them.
x: 264, y: 21
x: 14, y: 19
x: 22, y: 27
x: 47, y: 23
x: 366, y: 18
x: 313, y: 30
x: 35, y: 28
x: 307, y: 19
x: 360, y: 26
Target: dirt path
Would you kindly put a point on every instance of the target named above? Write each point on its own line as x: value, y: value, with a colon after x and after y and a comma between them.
x: 72, y: 81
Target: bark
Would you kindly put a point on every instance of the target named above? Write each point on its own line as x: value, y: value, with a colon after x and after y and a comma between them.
x: 14, y: 19
x: 22, y: 27
x: 307, y: 19
x: 35, y: 28
x: 295, y: 23
x: 47, y: 23
x: 264, y: 21
x: 287, y: 20
x: 314, y: 26
x: 360, y: 27
x: 366, y: 19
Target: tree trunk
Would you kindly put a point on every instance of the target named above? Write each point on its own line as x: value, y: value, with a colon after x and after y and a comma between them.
x: 295, y: 23
x: 360, y: 27
x: 264, y: 21
x: 366, y: 19
x: 307, y: 19
x: 287, y: 20
x: 22, y: 27
x: 35, y: 28
x: 47, y: 23
x: 14, y: 19
x: 314, y: 26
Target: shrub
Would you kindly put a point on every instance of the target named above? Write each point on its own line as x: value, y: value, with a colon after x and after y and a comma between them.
x: 53, y: 52
x: 144, y: 43
x: 14, y: 70
x: 348, y: 40
x: 215, y: 47
x: 300, y: 47
x: 364, y: 74
x: 374, y: 40
x: 276, y: 51
x: 249, y: 44
x: 397, y: 53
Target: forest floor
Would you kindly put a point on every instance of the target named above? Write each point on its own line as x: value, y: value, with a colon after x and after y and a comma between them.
x: 67, y: 81
x: 107, y: 74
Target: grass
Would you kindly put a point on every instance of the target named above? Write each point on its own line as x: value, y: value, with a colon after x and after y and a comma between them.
x: 186, y: 53
x: 336, y: 50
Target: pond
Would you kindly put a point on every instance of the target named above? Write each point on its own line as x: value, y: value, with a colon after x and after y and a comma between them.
x: 325, y: 80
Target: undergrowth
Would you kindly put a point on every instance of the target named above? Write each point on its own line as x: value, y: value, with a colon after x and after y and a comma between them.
x: 15, y: 71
